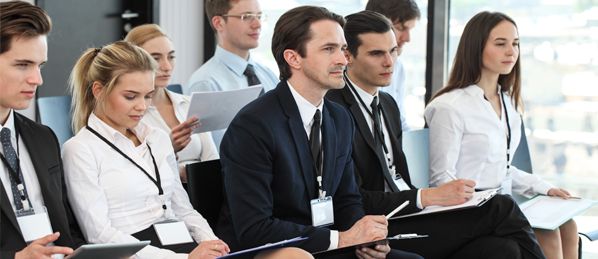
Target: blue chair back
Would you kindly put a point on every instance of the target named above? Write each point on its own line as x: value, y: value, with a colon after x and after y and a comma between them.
x: 54, y: 112
x: 177, y: 88
x: 416, y: 146
x: 522, y: 159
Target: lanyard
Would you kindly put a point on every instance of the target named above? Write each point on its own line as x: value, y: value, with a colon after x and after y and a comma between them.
x: 380, y: 133
x: 15, y: 173
x: 156, y: 181
x: 502, y: 97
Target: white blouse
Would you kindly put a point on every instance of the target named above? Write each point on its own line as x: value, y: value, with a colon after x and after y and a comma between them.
x: 470, y: 140
x: 112, y: 198
x: 201, y: 145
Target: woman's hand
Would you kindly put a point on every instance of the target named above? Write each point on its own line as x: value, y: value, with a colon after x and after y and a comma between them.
x: 209, y: 249
x: 180, y: 135
x: 559, y: 192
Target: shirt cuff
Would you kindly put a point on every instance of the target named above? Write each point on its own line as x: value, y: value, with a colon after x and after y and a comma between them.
x: 419, y: 199
x: 333, y: 240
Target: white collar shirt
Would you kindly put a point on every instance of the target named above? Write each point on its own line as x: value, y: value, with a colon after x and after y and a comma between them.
x: 467, y: 138
x: 200, y: 148
x: 113, y: 199
x: 29, y: 175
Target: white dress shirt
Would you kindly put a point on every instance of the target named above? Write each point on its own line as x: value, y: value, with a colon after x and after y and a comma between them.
x: 112, y: 198
x: 307, y: 112
x: 201, y: 147
x: 368, y: 99
x: 470, y: 140
x: 29, y: 176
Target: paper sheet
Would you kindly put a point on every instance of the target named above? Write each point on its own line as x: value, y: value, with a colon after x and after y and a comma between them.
x: 266, y: 246
x: 550, y: 212
x: 216, y: 110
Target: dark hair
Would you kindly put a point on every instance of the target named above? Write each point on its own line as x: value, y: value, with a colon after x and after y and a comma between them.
x: 292, y: 31
x: 398, y: 11
x: 467, y: 65
x: 21, y: 19
x: 217, y: 7
x: 363, y: 22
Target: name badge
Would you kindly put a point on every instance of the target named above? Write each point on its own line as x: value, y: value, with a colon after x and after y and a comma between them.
x: 172, y: 232
x: 322, y: 212
x: 401, y: 184
x: 34, y: 225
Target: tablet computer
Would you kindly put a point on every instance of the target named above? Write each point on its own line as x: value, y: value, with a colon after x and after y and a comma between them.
x: 108, y: 251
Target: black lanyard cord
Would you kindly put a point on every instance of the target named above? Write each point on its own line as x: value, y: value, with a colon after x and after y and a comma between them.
x: 156, y: 181
x: 508, y: 127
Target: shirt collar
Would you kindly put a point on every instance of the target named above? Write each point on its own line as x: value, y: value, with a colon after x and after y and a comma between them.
x: 10, y: 124
x: 365, y: 96
x: 232, y: 61
x: 306, y: 109
x: 175, y: 98
x: 143, y: 132
x: 475, y: 90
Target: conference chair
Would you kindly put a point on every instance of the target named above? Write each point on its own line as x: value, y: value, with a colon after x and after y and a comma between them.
x: 54, y: 112
x: 205, y: 189
x: 416, y: 146
x: 177, y: 88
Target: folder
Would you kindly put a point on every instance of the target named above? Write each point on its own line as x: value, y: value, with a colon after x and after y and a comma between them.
x: 266, y: 246
x: 479, y: 198
x: 216, y: 110
x: 347, y: 249
x: 548, y: 212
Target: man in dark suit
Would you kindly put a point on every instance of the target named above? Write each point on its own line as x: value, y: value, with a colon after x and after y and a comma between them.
x: 31, y: 171
x: 277, y: 161
x: 498, y: 229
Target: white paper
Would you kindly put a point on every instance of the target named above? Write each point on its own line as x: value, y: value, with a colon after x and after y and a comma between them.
x: 284, y: 242
x: 477, y: 199
x: 35, y: 226
x: 216, y: 110
x: 173, y: 233
x: 549, y: 213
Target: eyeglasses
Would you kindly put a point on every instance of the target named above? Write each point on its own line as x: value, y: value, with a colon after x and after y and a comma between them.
x: 250, y: 17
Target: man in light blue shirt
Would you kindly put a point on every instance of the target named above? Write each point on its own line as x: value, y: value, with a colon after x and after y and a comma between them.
x: 237, y: 25
x: 403, y: 14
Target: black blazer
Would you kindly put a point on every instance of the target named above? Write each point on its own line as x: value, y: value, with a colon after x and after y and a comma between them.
x: 44, y: 151
x: 268, y: 176
x: 369, y: 159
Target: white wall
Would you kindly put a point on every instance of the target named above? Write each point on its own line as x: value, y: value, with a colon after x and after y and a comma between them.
x: 183, y: 21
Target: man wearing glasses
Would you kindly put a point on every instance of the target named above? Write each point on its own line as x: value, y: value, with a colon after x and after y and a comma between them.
x: 237, y: 24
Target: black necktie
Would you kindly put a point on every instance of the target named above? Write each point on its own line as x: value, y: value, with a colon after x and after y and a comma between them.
x: 314, y: 142
x: 11, y: 157
x: 379, y: 137
x: 252, y: 77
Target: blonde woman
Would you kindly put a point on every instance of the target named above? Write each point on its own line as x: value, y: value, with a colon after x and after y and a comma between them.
x: 168, y: 110
x: 123, y: 173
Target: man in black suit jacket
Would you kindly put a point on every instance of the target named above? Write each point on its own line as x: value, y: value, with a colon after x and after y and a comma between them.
x: 498, y: 229
x: 269, y: 171
x: 23, y: 52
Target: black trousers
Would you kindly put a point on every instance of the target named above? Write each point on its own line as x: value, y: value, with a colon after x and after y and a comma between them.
x: 151, y: 235
x: 497, y: 229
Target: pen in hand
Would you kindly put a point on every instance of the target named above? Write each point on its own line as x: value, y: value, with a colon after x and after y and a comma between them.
x: 450, y: 175
x: 402, y: 206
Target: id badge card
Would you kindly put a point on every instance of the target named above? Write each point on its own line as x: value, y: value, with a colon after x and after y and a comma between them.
x: 172, y: 232
x: 401, y: 184
x: 322, y: 212
x: 34, y: 225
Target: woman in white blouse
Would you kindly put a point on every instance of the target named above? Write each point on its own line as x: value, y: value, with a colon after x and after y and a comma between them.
x: 168, y: 110
x: 474, y: 120
x: 122, y: 173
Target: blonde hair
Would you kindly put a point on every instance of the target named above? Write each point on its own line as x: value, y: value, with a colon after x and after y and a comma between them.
x: 142, y: 33
x: 103, y: 65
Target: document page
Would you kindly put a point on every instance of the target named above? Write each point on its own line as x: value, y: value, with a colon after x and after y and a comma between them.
x: 548, y: 212
x: 216, y: 110
x: 478, y: 199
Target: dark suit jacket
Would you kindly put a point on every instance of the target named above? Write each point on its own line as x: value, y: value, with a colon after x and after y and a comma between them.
x: 44, y: 151
x: 268, y: 175
x: 369, y: 159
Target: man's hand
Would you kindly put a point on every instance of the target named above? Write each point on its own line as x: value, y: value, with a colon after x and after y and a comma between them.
x: 379, y: 251
x: 37, y: 249
x: 367, y: 229
x: 451, y: 193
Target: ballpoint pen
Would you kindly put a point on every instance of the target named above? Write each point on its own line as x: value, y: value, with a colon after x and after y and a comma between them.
x: 402, y: 206
x: 450, y: 175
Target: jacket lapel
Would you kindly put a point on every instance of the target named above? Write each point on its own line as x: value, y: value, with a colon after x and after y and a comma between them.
x: 393, y: 124
x: 291, y: 110
x: 7, y: 209
x: 360, y: 121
